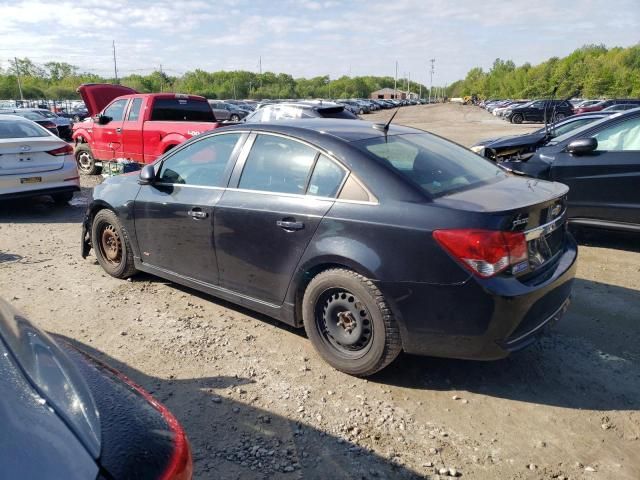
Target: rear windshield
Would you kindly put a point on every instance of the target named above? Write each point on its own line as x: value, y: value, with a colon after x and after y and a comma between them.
x: 336, y: 112
x: 182, y: 110
x: 21, y: 129
x: 437, y: 166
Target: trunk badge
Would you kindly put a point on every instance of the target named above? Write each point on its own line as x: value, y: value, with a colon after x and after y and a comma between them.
x: 519, y: 221
x: 555, y: 211
x: 25, y: 148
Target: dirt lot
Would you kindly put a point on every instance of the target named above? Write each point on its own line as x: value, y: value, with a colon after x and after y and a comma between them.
x: 257, y: 402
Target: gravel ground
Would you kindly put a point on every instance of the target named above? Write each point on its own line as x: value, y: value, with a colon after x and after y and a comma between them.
x: 257, y: 402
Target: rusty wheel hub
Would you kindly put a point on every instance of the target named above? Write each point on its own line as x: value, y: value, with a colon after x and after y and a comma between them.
x: 111, y: 245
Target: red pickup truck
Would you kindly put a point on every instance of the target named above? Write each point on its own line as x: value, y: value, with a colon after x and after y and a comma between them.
x: 125, y: 124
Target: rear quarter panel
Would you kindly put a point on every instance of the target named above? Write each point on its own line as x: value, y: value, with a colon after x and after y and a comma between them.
x: 160, y: 136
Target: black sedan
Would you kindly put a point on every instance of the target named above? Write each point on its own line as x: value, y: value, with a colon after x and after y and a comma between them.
x: 376, y: 239
x: 600, y: 162
x: 65, y: 415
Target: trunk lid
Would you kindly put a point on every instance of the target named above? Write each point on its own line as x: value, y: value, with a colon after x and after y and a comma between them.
x: 22, y: 156
x: 96, y: 96
x: 518, y: 204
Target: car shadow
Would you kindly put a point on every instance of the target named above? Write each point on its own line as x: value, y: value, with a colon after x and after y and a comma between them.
x: 593, y: 237
x: 244, y: 441
x: 42, y: 209
x: 590, y: 360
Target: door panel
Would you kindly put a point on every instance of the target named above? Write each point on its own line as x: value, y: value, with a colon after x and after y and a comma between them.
x: 107, y: 139
x: 260, y: 238
x: 174, y: 229
x: 174, y: 217
x: 132, y: 144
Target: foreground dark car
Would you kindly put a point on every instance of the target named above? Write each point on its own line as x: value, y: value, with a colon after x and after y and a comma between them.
x: 601, y: 164
x: 64, y: 415
x: 375, y: 240
x: 523, y: 146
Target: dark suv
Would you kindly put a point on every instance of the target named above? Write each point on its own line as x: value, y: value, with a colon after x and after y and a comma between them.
x: 535, y: 111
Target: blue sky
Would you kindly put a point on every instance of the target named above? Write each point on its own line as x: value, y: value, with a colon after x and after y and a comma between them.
x: 310, y: 37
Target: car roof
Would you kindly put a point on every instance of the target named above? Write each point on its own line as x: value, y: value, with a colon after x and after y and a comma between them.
x: 8, y: 116
x: 346, y: 130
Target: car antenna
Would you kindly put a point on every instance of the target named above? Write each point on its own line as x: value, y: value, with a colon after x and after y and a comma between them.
x: 385, y: 126
x: 546, y: 107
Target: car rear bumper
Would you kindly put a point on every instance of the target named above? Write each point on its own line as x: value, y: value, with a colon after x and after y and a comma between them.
x: 481, y: 319
x: 65, y: 179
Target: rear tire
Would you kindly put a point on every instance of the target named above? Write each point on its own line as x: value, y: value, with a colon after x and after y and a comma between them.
x: 517, y: 118
x: 86, y: 162
x: 349, y: 322
x: 111, y: 245
x: 558, y: 117
x: 234, y: 118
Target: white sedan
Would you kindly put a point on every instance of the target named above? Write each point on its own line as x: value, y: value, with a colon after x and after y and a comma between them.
x: 35, y: 162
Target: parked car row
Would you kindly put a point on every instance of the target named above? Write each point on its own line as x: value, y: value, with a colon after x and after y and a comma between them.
x: 553, y: 110
x: 596, y: 154
x: 59, y: 126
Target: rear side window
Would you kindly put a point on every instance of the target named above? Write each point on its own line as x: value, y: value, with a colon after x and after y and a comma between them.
x: 436, y: 165
x: 182, y: 110
x: 326, y: 179
x: 134, y: 111
x: 277, y: 164
x: 201, y: 163
x: 336, y: 112
x: 20, y: 129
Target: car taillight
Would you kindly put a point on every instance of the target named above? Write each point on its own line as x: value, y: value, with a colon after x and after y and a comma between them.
x: 485, y: 252
x: 48, y: 125
x: 180, y: 465
x: 66, y: 150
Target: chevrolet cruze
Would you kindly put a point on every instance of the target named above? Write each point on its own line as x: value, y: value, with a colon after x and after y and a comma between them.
x: 376, y: 239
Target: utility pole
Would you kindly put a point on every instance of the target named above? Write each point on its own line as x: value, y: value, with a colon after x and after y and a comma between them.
x: 260, y: 66
x: 433, y: 61
x: 395, y: 83
x: 18, y: 77
x: 161, y: 78
x: 409, y: 87
x: 115, y: 64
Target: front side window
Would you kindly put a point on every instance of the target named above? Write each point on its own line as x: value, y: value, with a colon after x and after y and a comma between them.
x: 116, y: 110
x: 436, y: 165
x: 277, y: 164
x: 569, y: 126
x: 134, y: 111
x: 202, y: 163
x: 623, y: 136
x: 326, y: 178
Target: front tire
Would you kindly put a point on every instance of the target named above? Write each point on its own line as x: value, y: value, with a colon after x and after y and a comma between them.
x: 517, y: 118
x: 86, y: 162
x: 349, y: 322
x: 558, y: 117
x: 111, y: 245
x: 235, y: 118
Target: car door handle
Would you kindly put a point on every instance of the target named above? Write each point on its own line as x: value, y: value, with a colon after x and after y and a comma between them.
x: 197, y: 213
x: 290, y: 225
x: 118, y: 130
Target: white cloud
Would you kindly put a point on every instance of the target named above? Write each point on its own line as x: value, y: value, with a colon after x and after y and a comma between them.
x: 310, y: 37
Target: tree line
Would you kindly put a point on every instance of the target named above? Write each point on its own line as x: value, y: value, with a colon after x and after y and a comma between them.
x: 592, y: 71
x: 59, y: 80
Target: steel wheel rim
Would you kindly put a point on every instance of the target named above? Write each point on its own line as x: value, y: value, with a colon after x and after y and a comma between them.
x: 111, y: 245
x: 84, y: 160
x: 344, y: 323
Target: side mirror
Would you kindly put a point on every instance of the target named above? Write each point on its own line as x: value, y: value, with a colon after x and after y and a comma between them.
x: 103, y: 119
x: 582, y: 146
x: 147, y: 175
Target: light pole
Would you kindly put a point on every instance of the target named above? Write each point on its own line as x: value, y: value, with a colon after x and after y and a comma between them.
x: 395, y: 83
x: 433, y: 61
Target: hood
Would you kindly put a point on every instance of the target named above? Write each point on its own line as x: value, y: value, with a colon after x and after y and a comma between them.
x: 51, y: 373
x: 96, y: 96
x: 516, y: 140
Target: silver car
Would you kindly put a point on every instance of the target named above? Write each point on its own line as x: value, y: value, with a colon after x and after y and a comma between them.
x: 35, y: 162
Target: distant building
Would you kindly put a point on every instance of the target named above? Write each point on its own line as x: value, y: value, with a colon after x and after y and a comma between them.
x: 388, y: 94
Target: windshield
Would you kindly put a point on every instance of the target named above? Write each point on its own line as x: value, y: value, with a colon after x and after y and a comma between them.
x: 437, y: 166
x: 578, y: 131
